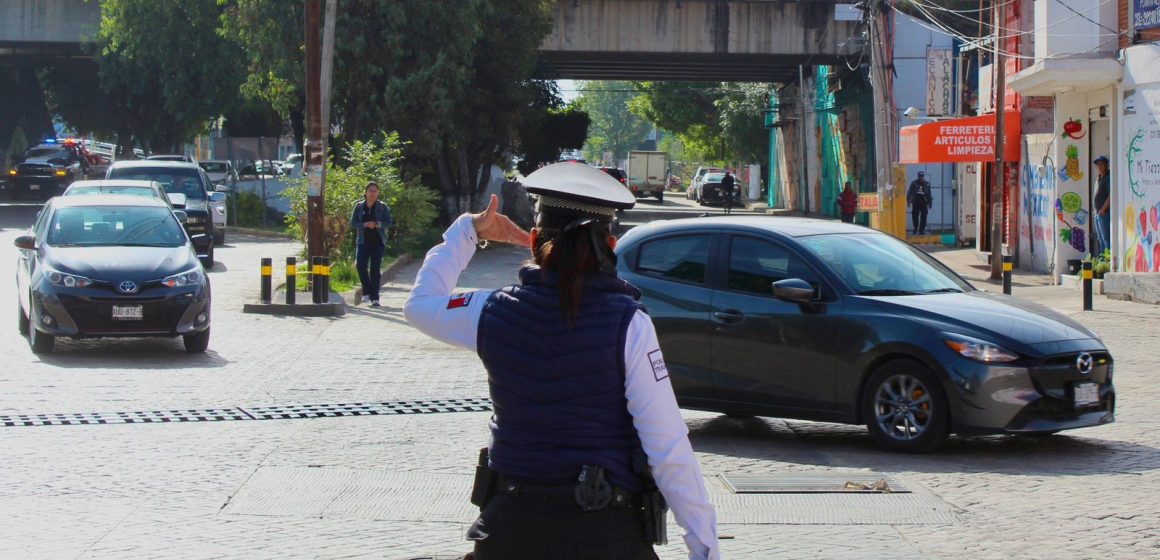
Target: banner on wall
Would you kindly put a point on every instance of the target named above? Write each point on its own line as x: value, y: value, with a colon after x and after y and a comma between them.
x: 1145, y: 14
x: 1138, y: 202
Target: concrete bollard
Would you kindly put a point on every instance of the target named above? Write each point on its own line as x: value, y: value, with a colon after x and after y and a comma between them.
x: 267, y: 288
x: 1007, y: 268
x: 291, y: 279
x: 1087, y: 286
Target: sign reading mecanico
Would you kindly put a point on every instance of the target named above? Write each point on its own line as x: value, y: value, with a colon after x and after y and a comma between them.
x: 958, y: 140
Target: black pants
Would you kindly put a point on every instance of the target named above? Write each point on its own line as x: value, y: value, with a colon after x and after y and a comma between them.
x: 918, y: 217
x: 848, y: 218
x: 535, y: 527
x: 369, y: 262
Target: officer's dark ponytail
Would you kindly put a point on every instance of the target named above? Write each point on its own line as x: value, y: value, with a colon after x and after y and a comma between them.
x: 571, y: 256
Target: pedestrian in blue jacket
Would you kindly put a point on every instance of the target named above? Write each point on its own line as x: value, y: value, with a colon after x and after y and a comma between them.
x: 371, y: 219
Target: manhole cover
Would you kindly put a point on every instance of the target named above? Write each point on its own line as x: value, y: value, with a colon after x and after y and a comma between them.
x: 814, y: 483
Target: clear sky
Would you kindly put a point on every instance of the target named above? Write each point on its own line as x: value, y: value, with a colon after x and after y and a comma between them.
x: 568, y: 89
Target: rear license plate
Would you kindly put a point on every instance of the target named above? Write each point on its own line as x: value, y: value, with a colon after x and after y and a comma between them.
x: 128, y: 312
x: 1086, y: 394
x: 33, y: 187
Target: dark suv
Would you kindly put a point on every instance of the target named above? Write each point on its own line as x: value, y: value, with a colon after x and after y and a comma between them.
x: 45, y: 170
x: 178, y: 177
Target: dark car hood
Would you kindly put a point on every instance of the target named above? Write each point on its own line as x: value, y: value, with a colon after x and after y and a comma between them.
x: 139, y: 264
x: 41, y: 161
x: 1004, y: 319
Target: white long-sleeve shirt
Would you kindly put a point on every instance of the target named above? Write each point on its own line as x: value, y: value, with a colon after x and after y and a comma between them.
x: 454, y: 319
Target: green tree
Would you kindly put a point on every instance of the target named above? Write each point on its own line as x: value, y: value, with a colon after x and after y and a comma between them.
x: 165, y: 67
x: 714, y: 122
x: 613, y: 128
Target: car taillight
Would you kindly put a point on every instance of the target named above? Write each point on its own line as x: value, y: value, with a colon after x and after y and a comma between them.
x: 623, y: 181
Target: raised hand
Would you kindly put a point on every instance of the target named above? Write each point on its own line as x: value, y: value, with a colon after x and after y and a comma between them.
x: 490, y: 225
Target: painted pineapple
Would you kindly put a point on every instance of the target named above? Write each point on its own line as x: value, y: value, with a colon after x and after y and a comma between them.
x: 1073, y: 171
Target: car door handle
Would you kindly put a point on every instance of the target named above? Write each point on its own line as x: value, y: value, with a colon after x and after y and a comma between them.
x: 731, y: 316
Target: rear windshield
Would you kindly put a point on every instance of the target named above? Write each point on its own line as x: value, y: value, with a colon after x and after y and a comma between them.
x: 174, y: 180
x: 90, y: 226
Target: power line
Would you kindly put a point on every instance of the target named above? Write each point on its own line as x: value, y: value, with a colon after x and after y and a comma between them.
x: 922, y: 7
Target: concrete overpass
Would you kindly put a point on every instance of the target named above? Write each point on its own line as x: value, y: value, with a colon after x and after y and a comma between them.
x: 687, y: 40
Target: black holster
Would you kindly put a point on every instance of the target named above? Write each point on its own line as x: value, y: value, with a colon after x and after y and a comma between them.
x: 486, y: 482
x: 654, y: 510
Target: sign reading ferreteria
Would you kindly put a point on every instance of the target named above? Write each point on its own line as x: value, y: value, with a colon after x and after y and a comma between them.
x: 1145, y: 14
x: 958, y: 140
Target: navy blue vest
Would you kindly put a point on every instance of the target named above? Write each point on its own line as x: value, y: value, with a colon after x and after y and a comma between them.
x: 557, y: 389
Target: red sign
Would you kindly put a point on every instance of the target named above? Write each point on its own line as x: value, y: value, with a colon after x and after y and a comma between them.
x: 868, y: 202
x: 959, y: 140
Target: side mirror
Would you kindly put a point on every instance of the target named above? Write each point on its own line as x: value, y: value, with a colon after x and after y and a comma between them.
x: 25, y: 242
x: 793, y: 290
x: 181, y: 216
x: 221, y: 187
x: 217, y: 196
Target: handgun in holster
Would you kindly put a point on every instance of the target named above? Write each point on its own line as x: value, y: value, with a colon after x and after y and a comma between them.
x: 486, y: 481
x: 654, y: 510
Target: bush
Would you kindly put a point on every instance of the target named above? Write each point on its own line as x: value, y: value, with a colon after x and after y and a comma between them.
x: 413, y: 206
x: 247, y: 210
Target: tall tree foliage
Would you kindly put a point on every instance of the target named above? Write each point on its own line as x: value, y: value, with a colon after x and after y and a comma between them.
x: 715, y: 122
x: 165, y: 68
x: 613, y: 127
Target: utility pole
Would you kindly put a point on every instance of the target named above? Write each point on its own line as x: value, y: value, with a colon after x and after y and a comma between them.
x: 805, y: 163
x: 884, y: 130
x: 998, y: 185
x: 313, y: 154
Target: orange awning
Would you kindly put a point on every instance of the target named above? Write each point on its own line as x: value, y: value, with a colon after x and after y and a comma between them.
x: 959, y: 140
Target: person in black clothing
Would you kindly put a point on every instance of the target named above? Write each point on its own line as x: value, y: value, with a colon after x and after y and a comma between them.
x: 371, y: 219
x: 727, y: 184
x: 1102, y: 203
x: 919, y: 199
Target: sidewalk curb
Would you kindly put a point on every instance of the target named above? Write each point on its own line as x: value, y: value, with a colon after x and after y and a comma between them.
x: 335, y: 308
x: 258, y: 232
x: 355, y: 296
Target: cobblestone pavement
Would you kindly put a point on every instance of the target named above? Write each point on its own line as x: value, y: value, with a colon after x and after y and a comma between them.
x: 393, y: 486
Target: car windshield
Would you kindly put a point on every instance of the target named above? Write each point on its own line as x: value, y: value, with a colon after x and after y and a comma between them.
x: 135, y: 226
x: 131, y: 191
x: 213, y: 167
x: 874, y: 264
x: 173, y: 180
x: 47, y: 153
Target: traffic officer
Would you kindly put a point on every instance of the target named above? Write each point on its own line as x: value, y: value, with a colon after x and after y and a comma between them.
x: 577, y: 381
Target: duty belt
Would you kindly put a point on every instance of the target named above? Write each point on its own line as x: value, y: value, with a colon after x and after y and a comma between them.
x: 618, y: 499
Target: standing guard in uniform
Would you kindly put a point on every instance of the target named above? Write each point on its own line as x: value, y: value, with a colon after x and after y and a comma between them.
x: 588, y: 445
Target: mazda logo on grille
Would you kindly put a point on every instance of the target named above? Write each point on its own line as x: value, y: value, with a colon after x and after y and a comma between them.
x: 130, y: 287
x: 1084, y: 363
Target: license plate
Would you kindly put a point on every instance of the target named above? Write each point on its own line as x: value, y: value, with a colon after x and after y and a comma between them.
x: 33, y: 187
x: 1086, y: 394
x: 128, y: 312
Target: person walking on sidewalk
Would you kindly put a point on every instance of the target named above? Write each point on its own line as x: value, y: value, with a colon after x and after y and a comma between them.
x: 586, y: 436
x: 848, y: 203
x: 727, y: 184
x: 371, y: 219
x: 1103, y: 206
x: 919, y: 199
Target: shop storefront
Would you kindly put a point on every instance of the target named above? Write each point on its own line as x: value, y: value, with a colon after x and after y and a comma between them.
x: 970, y: 144
x: 1058, y: 180
x: 1136, y: 191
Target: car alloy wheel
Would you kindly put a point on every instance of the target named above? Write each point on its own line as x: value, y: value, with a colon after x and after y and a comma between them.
x: 905, y: 407
x: 902, y: 407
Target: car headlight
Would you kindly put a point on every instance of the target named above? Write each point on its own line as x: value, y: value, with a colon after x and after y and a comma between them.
x: 194, y: 220
x: 58, y: 278
x: 60, y: 172
x: 221, y: 210
x: 187, y: 278
x: 979, y: 350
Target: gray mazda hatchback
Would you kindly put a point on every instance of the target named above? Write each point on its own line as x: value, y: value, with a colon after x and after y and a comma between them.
x: 818, y: 320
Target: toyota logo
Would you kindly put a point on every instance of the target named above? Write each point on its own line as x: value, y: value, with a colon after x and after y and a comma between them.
x: 130, y: 287
x: 1084, y: 363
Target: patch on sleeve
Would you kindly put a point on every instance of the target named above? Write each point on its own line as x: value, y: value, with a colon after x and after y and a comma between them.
x: 459, y: 300
x: 660, y: 371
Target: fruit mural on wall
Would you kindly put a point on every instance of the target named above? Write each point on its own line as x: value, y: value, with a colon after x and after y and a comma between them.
x: 1142, y: 214
x: 1073, y: 129
x: 1071, y: 171
x: 1070, y: 204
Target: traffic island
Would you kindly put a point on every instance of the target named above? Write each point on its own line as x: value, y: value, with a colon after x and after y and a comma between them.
x: 336, y: 307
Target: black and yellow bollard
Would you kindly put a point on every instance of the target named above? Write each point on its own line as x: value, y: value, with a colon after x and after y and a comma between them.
x: 1007, y: 267
x: 1087, y: 285
x: 267, y: 272
x: 291, y: 279
x: 325, y: 295
x: 315, y: 279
